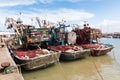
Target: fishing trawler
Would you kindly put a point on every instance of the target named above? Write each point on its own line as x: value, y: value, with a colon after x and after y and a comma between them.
x: 25, y: 47
x: 89, y: 38
x: 65, y: 43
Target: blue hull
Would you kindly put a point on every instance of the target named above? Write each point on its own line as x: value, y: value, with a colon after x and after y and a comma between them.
x: 69, y: 57
x: 74, y: 56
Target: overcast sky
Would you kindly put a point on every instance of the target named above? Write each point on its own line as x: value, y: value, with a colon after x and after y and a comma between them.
x: 104, y: 14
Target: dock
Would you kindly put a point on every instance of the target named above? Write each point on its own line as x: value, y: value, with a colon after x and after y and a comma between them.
x: 5, y: 57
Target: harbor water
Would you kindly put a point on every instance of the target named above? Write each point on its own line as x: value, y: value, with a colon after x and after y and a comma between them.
x: 105, y: 67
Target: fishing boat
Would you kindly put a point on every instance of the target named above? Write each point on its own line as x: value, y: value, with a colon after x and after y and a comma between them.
x: 34, y: 59
x: 28, y: 47
x: 71, y: 52
x: 89, y: 38
x: 98, y: 49
x: 64, y: 42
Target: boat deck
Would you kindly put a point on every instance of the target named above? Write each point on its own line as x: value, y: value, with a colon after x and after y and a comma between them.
x: 5, y: 57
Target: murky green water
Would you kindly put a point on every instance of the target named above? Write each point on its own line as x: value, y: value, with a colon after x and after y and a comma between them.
x: 105, y: 67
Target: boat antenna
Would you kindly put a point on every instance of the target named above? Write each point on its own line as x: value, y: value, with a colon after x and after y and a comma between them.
x: 19, y: 21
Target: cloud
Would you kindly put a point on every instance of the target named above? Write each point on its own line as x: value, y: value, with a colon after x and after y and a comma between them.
x: 50, y: 15
x: 46, y: 1
x: 5, y: 3
x: 111, y: 23
x: 110, y: 26
x: 8, y: 3
x: 64, y: 13
x: 74, y: 1
x: 71, y: 1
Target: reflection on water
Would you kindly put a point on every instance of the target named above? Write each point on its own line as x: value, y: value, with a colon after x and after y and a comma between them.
x: 83, y: 69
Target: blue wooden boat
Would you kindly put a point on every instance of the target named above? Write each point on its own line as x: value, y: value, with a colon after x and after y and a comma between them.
x: 71, y: 52
x: 75, y: 55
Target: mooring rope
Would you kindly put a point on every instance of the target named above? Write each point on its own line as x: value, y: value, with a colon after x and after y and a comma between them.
x: 96, y: 67
x: 30, y: 62
x: 61, y: 68
x: 19, y: 68
x: 115, y: 58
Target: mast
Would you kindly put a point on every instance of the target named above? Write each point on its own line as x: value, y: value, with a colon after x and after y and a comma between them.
x: 38, y: 21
